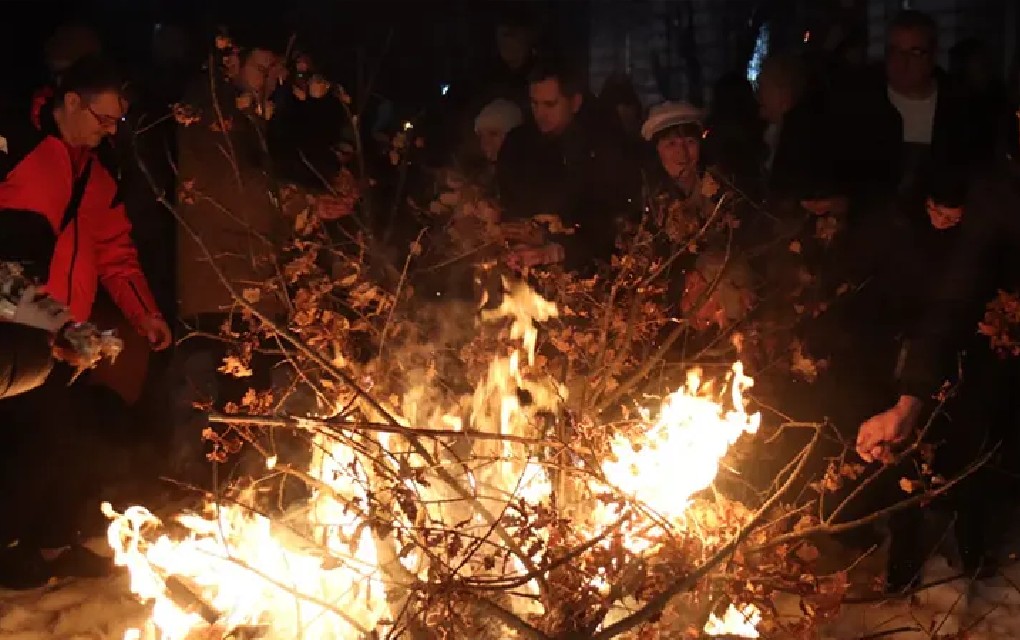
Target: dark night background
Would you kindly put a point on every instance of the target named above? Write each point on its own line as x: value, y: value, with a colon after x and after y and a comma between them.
x: 436, y: 42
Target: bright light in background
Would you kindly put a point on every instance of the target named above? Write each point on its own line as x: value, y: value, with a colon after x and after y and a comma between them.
x: 408, y: 125
x: 444, y: 89
x: 761, y: 49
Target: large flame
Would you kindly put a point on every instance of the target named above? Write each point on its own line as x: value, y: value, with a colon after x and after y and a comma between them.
x: 235, y: 569
x: 232, y: 568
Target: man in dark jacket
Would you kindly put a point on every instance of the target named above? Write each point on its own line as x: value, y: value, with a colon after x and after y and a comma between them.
x: 569, y: 162
x: 983, y: 260
x: 905, y: 126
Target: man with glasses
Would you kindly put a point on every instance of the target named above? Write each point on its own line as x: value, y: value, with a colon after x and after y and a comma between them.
x: 60, y: 211
x: 931, y: 111
x: 62, y: 221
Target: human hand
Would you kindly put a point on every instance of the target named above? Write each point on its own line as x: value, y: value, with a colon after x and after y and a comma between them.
x: 943, y: 217
x: 318, y: 87
x: 41, y: 311
x: 881, y: 433
x: 156, y: 331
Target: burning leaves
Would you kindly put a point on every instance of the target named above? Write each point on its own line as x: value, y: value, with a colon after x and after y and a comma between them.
x: 374, y: 531
x: 1001, y: 322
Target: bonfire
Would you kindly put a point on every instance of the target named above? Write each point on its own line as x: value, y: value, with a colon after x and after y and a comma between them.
x: 376, y: 538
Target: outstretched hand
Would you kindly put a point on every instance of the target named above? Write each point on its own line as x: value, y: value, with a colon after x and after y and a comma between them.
x: 882, y: 433
x: 157, y: 332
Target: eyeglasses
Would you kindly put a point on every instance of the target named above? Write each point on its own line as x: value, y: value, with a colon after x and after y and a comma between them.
x: 105, y: 120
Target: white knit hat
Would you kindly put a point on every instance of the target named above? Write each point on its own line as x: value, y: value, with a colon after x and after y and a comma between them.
x: 499, y: 114
x: 670, y: 114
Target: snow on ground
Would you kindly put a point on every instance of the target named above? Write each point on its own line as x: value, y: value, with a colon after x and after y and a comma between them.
x: 74, y: 609
x: 986, y: 610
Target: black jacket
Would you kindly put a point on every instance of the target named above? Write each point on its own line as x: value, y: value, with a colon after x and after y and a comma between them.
x: 585, y: 176
x: 985, y: 258
x: 25, y: 358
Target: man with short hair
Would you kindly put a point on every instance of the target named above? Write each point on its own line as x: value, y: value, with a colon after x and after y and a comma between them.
x: 569, y: 162
x: 60, y: 211
x: 62, y: 221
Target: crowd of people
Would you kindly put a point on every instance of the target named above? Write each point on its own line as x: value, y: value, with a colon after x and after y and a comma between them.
x: 910, y: 165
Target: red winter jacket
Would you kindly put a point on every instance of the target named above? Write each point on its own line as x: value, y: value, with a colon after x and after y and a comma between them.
x: 60, y: 214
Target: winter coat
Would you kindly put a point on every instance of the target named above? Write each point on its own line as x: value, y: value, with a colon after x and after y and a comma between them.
x: 230, y: 208
x: 61, y: 215
x: 585, y: 176
x: 985, y: 258
x: 871, y: 155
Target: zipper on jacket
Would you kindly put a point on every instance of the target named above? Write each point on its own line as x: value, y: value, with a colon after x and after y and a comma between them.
x: 74, y: 258
x: 138, y: 295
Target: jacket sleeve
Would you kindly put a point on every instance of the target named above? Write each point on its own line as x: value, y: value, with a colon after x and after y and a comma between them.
x: 955, y: 306
x: 25, y: 359
x: 116, y: 256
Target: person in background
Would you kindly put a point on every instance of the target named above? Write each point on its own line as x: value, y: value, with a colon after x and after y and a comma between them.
x: 504, y: 75
x: 675, y: 131
x: 734, y: 133
x: 906, y: 125
x: 492, y: 125
x: 981, y: 261
x: 572, y: 162
x: 619, y: 98
x: 799, y: 164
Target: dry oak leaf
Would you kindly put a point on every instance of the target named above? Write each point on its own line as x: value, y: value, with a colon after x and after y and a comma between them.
x: 709, y: 186
x: 910, y: 486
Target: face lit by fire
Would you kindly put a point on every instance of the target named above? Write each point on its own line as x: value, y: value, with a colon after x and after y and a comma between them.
x: 553, y: 109
x: 260, y: 69
x: 679, y: 153
x: 88, y: 118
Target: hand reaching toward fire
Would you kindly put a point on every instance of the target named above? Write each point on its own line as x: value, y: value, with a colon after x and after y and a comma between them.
x: 880, y: 434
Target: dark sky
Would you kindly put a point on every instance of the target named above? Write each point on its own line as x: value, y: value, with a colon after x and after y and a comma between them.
x: 432, y: 40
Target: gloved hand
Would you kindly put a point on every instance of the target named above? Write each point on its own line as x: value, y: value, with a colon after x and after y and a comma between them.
x: 41, y: 311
